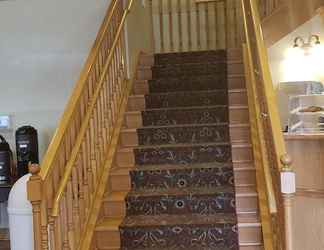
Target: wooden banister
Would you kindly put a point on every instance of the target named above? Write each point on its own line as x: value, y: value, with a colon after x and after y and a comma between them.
x: 267, y: 137
x: 63, y: 191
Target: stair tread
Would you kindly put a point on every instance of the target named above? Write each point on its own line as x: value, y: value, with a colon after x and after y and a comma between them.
x: 193, y: 219
x: 190, y: 108
x: 181, y: 166
x: 181, y: 192
x: 249, y: 191
x: 238, y: 125
x: 197, y: 107
x: 190, y: 91
x: 126, y: 170
x: 244, y: 220
x: 240, y: 144
x: 223, y: 60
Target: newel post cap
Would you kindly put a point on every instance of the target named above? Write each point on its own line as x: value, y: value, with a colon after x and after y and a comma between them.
x: 286, y: 161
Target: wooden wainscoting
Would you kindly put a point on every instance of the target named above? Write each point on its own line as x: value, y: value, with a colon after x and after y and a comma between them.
x: 308, y: 207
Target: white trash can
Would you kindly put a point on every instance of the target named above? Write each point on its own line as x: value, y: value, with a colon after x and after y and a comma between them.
x: 20, y: 216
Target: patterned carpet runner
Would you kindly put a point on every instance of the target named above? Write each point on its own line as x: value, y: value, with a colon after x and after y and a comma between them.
x: 183, y: 194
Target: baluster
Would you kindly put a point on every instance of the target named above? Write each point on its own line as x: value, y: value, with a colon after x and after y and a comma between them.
x: 52, y: 238
x: 180, y: 26
x: 100, y: 131
x: 89, y: 171
x: 92, y: 156
x: 226, y: 24
x: 198, y: 26
x: 207, y: 25
x: 84, y: 173
x: 102, y: 120
x: 189, y: 25
x: 170, y: 25
x: 106, y: 112
x: 63, y: 214
x: 235, y: 25
x: 76, y: 201
x: 161, y: 25
x: 69, y: 206
x: 216, y: 26
x: 152, y: 25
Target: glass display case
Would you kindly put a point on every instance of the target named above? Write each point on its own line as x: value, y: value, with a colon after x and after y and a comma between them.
x: 306, y: 113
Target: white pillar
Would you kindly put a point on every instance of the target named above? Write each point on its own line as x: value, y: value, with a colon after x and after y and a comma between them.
x: 20, y: 216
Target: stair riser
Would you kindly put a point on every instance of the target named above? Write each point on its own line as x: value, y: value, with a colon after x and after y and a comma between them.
x: 130, y: 138
x: 180, y: 135
x: 111, y: 238
x: 236, y: 116
x: 141, y: 87
x: 118, y: 208
x: 181, y: 204
x: 258, y: 247
x: 147, y: 73
x: 123, y: 182
x: 127, y: 158
x: 139, y: 103
x: 170, y: 237
x: 231, y: 55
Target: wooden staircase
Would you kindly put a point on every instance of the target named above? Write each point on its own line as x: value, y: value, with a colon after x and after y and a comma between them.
x: 89, y: 191
x: 113, y: 211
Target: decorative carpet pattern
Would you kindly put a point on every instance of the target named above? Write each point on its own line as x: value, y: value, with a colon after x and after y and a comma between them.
x: 183, y: 192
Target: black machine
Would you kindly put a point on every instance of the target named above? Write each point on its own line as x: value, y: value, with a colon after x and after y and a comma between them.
x: 27, y: 148
x: 5, y: 161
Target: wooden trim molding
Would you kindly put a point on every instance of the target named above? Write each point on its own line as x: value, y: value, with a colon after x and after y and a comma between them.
x: 311, y: 193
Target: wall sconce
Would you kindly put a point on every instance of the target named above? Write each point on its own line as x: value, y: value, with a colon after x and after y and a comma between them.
x: 313, y: 40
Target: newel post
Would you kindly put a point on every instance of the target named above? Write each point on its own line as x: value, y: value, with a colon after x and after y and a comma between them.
x: 288, y: 190
x: 34, y: 193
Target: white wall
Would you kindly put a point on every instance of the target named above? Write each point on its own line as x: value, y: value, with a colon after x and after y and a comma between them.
x: 286, y: 67
x: 43, y: 45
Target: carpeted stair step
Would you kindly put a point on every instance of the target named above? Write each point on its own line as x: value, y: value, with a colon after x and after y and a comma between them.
x: 237, y: 114
x: 201, y: 201
x: 190, y: 115
x: 182, y: 176
x: 186, y: 99
x: 130, y: 137
x: 201, y: 133
x: 246, y: 201
x: 190, y: 57
x: 185, y: 83
x: 107, y: 235
x: 194, y: 83
x: 183, y: 154
x: 209, y: 175
x: 180, y: 232
x: 189, y: 69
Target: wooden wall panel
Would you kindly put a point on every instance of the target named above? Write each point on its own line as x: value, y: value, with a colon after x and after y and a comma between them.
x: 184, y: 25
x: 308, y: 208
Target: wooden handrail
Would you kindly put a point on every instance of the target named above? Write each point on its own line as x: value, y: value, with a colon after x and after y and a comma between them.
x: 86, y: 121
x: 268, y: 140
x: 64, y: 191
x: 71, y: 106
